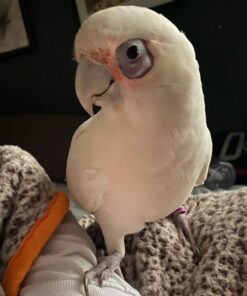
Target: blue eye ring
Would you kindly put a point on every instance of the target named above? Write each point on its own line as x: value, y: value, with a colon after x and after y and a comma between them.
x: 133, y: 58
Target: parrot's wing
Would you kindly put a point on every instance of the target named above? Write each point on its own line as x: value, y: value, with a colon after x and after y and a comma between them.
x: 87, y: 185
x: 204, y: 172
x: 92, y: 189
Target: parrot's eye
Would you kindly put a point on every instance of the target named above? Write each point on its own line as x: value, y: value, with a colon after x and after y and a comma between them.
x: 133, y: 52
x: 134, y: 58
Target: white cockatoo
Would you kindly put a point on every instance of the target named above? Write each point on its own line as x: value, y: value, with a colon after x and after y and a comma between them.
x: 138, y: 159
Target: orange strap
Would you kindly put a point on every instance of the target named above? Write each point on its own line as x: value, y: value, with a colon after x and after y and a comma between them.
x: 32, y: 244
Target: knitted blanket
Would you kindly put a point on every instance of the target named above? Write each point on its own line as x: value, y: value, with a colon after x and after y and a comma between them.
x: 25, y: 190
x: 159, y: 260
x: 26, y: 195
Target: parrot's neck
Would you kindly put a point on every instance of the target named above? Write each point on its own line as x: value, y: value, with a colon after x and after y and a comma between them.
x: 161, y: 105
x: 171, y: 93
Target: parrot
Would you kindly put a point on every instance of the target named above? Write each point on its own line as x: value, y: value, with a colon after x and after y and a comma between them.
x: 138, y: 158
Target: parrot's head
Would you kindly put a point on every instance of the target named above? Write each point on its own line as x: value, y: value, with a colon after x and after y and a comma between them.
x: 125, y: 51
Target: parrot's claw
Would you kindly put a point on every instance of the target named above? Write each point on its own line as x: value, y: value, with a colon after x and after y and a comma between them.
x: 182, y: 222
x: 107, y: 266
x: 109, y: 271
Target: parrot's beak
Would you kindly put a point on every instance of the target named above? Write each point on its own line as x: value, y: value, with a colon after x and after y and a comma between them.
x: 92, y: 81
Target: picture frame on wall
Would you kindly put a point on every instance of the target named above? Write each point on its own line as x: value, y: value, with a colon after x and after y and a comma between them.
x: 15, y: 36
x: 87, y: 7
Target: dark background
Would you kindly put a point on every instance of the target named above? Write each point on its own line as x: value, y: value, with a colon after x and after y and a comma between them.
x: 41, y: 82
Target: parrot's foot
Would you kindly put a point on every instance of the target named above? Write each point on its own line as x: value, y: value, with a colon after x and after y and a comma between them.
x: 107, y: 266
x: 181, y: 220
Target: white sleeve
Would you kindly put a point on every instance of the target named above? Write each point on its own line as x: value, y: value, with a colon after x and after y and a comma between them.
x: 59, y: 270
